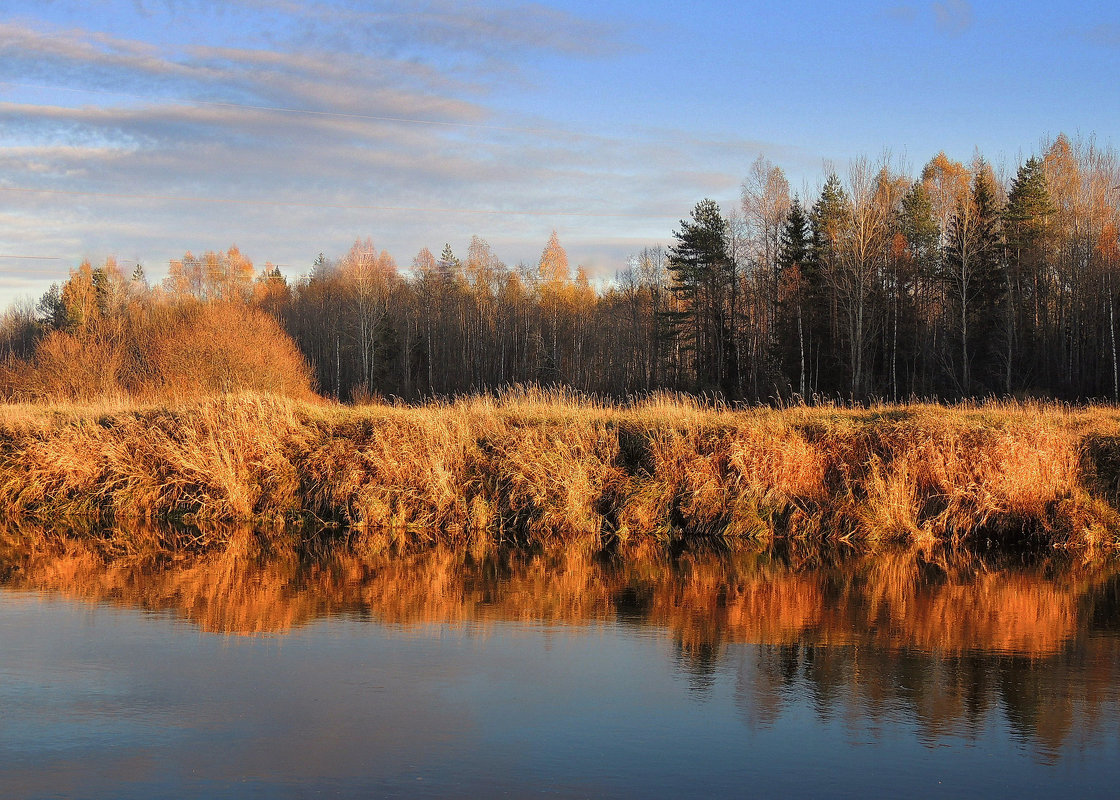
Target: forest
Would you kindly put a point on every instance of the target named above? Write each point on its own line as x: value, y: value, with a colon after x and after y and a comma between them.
x: 955, y: 283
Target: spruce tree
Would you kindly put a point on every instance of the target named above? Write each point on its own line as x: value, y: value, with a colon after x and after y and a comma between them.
x: 918, y: 225
x: 448, y: 264
x: 701, y: 271
x: 1028, y: 205
x: 1026, y: 221
x: 793, y: 246
x: 828, y: 222
x: 794, y: 340
x: 976, y: 278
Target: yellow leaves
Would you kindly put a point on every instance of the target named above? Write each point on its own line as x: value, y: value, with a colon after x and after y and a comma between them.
x: 553, y: 266
x: 211, y: 276
x: 482, y: 266
x: 221, y: 347
x: 365, y: 267
x: 1108, y: 243
x: 947, y: 183
x: 425, y: 264
x: 1063, y: 175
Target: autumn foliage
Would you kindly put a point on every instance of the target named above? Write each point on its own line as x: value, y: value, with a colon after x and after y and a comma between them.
x: 223, y: 347
x: 109, y: 337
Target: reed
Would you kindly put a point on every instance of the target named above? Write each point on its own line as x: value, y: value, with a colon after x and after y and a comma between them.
x: 534, y: 467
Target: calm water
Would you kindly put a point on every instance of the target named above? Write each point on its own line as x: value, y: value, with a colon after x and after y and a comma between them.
x: 243, y: 675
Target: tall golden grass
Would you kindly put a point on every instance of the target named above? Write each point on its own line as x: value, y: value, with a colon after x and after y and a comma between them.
x: 533, y: 467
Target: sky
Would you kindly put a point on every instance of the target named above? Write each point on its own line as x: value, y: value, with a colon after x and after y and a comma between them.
x: 141, y: 129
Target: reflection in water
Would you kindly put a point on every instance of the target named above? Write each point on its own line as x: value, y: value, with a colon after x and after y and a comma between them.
x: 956, y: 644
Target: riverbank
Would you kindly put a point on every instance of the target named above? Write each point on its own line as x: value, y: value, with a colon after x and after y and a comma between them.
x: 535, y: 468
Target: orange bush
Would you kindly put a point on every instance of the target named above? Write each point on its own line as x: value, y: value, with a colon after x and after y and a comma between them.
x: 167, y: 352
x: 207, y: 348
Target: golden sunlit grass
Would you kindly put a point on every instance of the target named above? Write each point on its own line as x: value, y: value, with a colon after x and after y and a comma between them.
x: 535, y: 467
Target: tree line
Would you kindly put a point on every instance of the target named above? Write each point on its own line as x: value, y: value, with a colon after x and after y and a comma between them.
x: 954, y: 283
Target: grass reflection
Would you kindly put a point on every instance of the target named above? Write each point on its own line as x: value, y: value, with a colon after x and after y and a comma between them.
x: 948, y: 638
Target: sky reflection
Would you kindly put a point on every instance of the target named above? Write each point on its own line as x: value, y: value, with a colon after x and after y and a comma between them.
x: 242, y: 675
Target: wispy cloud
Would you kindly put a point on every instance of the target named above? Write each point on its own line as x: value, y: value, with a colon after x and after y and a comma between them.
x: 465, y: 28
x: 1104, y: 34
x: 318, y: 122
x: 953, y: 16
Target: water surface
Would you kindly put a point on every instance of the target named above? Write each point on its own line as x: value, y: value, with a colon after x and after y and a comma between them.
x: 245, y: 674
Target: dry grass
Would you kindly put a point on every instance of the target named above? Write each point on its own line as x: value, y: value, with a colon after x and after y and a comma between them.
x: 535, y: 468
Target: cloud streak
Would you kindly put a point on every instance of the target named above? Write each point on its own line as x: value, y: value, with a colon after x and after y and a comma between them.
x: 468, y: 29
x: 152, y: 149
x: 953, y: 17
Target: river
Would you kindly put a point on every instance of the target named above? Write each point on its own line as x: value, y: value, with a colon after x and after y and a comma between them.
x: 253, y: 673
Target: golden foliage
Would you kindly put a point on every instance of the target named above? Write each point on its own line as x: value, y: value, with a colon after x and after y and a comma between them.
x: 202, y: 348
x: 166, y: 352
x: 553, y: 266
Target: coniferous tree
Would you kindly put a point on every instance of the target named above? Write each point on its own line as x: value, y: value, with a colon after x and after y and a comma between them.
x: 702, y: 272
x: 1026, y: 222
x: 922, y: 233
x: 872, y: 291
x: 976, y: 279
x: 828, y: 222
x: 51, y: 310
x: 449, y: 265
x: 794, y: 267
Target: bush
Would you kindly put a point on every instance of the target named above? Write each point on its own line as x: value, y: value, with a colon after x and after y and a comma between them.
x: 166, y: 352
x: 207, y: 348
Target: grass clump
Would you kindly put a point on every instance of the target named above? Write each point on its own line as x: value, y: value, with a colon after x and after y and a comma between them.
x: 535, y: 468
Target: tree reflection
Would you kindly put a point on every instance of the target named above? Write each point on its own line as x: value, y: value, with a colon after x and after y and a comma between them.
x: 948, y: 642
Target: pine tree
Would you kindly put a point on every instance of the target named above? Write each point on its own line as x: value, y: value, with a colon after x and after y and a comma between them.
x: 974, y: 271
x: 828, y: 222
x: 921, y: 285
x: 919, y: 226
x: 793, y: 295
x: 449, y: 265
x: 793, y: 246
x: 1026, y: 221
x: 1028, y: 205
x: 702, y: 271
x: 51, y: 310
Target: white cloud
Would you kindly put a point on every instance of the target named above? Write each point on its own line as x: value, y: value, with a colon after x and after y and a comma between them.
x: 133, y: 141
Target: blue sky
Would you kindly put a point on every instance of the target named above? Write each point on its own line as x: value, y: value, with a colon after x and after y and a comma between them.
x: 144, y: 128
